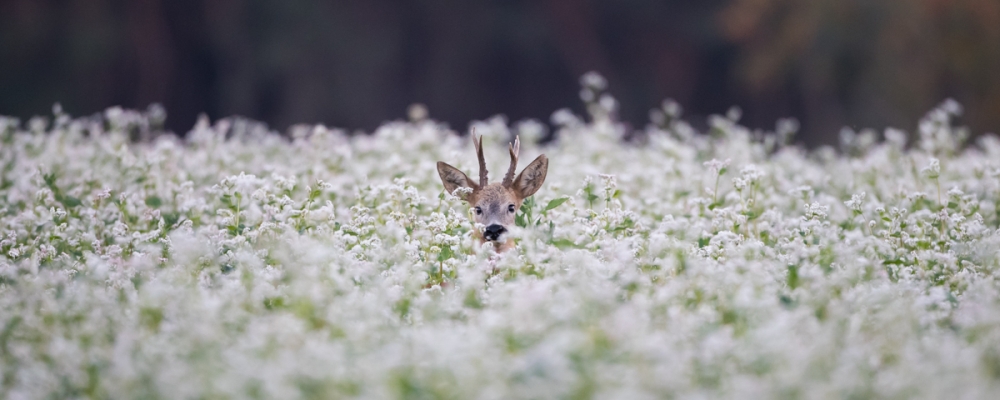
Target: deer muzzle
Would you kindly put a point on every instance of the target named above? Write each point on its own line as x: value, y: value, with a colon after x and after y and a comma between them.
x: 493, y: 232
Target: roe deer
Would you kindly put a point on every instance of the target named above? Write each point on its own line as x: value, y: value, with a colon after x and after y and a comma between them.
x: 495, y: 204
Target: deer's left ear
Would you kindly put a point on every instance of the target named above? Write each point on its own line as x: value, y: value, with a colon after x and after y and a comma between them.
x: 531, y: 178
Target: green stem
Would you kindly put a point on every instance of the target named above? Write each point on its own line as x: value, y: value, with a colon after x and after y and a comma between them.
x: 239, y: 201
x: 938, y: 180
x: 715, y: 193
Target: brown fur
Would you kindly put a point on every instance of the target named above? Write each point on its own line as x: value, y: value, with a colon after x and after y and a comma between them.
x: 495, y: 200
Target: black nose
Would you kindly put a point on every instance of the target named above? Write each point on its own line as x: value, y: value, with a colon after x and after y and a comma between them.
x: 493, y: 231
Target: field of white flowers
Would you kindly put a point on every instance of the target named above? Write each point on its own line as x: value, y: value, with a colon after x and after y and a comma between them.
x: 238, y: 263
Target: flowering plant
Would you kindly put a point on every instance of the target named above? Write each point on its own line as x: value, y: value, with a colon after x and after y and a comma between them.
x: 239, y: 263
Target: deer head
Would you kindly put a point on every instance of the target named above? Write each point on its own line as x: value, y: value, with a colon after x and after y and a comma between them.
x: 495, y: 204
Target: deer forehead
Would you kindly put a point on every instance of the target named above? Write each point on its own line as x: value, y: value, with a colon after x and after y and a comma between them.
x: 495, y: 194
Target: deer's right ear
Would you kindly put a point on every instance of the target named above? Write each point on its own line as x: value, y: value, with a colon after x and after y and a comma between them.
x: 454, y: 179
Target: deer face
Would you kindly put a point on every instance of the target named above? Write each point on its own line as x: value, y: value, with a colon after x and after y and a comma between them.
x: 494, y: 205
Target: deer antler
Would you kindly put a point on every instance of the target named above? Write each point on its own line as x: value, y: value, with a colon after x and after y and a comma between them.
x: 483, y: 180
x: 515, y: 149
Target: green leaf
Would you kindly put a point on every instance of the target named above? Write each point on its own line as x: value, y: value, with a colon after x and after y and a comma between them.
x: 472, y: 300
x: 786, y: 301
x: 793, y: 276
x: 272, y: 303
x: 555, y: 203
x: 563, y: 243
x: 236, y: 230
x: 50, y: 179
x: 171, y: 218
x: 446, y: 253
x: 70, y: 201
x: 151, y: 317
x: 154, y: 201
x: 520, y: 220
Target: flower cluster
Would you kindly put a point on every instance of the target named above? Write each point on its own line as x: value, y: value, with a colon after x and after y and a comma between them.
x: 241, y: 263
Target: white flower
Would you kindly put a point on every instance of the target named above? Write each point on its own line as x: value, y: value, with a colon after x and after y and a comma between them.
x: 565, y: 117
x: 856, y: 201
x: 717, y: 166
x: 629, y: 276
x: 933, y: 169
x: 593, y: 80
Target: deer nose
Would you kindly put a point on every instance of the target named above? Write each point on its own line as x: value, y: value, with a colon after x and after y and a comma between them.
x: 493, y: 231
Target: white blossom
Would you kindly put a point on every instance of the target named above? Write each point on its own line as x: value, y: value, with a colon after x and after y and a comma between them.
x: 238, y: 262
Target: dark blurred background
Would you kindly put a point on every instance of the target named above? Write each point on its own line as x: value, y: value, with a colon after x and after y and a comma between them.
x: 355, y: 64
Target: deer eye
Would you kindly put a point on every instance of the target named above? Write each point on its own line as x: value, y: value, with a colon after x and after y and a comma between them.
x: 510, y: 208
x: 479, y: 211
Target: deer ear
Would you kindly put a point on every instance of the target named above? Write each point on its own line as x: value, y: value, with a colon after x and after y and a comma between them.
x: 454, y: 179
x: 531, y: 178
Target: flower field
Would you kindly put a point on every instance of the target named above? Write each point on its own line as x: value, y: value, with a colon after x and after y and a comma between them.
x: 239, y: 263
